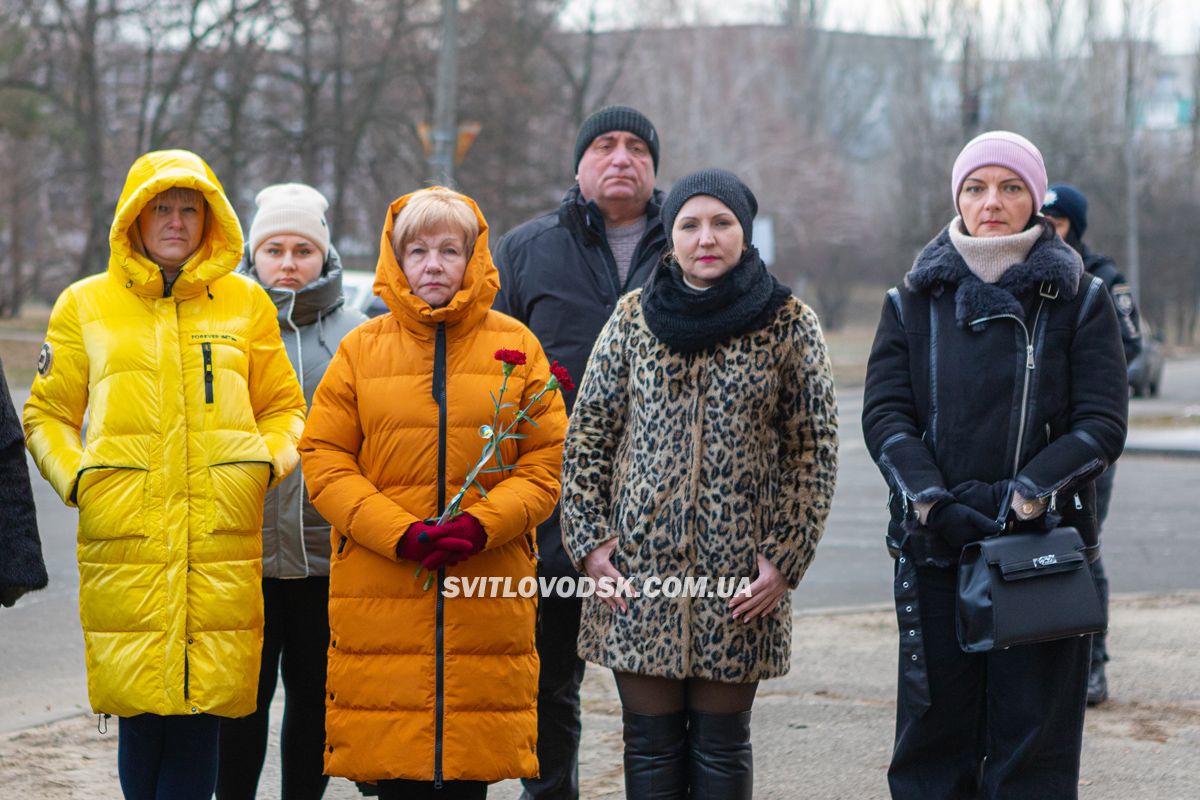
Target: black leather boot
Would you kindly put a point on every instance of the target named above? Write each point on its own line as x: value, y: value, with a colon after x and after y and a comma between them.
x: 721, y: 763
x: 1097, y: 685
x: 655, y: 756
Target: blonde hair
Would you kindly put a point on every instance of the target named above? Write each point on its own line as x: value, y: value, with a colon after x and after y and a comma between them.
x: 429, y: 210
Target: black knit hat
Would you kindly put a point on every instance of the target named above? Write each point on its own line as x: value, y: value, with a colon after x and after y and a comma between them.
x: 718, y: 183
x: 616, y: 118
x: 1064, y: 200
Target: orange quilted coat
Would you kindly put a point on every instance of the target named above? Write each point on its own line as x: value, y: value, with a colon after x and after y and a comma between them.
x: 423, y: 686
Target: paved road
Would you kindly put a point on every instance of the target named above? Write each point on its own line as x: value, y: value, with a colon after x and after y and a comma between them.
x: 1156, y: 505
x: 1154, y: 510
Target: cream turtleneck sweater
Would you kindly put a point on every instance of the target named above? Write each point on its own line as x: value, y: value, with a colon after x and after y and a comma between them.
x: 989, y: 257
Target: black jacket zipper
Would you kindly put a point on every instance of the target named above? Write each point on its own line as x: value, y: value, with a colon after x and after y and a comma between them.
x: 1030, y: 365
x: 206, y: 348
x: 439, y: 395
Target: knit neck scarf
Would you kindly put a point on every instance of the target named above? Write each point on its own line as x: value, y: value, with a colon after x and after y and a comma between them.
x: 989, y: 257
x: 689, y: 320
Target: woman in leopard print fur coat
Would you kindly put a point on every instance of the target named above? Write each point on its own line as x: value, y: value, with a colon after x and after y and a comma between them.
x: 703, y: 444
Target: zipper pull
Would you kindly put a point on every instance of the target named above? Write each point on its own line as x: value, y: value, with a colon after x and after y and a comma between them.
x: 1078, y: 503
x: 1029, y: 357
x: 1053, y: 502
x: 206, y: 349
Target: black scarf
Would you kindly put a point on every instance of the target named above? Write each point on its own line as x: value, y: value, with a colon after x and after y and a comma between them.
x: 688, y: 320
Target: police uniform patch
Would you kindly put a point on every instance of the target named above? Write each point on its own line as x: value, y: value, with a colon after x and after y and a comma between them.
x: 45, y: 359
x: 1123, y: 299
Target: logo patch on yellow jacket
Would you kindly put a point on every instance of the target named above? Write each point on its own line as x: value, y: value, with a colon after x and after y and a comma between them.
x: 45, y: 359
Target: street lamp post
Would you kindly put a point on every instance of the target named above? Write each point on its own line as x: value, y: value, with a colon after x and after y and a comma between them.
x: 445, y: 128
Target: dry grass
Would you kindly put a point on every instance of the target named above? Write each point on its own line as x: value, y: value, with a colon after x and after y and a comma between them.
x: 34, y: 318
x: 849, y: 347
x: 20, y: 341
x: 20, y: 360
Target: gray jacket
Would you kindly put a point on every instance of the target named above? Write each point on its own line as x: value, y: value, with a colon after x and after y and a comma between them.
x: 311, y: 322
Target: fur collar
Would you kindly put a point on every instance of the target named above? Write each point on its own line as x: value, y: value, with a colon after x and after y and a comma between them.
x: 1050, y: 261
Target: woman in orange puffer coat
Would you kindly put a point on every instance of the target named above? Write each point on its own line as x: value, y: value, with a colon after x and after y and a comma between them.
x: 428, y: 690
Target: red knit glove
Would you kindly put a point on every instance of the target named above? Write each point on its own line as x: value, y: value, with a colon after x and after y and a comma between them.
x: 455, y: 541
x: 417, y: 542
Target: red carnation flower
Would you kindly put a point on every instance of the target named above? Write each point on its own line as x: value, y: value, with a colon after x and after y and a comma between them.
x: 514, y: 358
x: 562, y: 376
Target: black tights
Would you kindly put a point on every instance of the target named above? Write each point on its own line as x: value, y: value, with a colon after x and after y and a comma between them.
x: 295, y: 639
x: 646, y: 694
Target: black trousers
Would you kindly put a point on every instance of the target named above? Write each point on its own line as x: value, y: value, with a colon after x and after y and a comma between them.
x: 559, y: 721
x: 1005, y: 725
x: 423, y: 790
x: 295, y: 643
x: 1104, y: 491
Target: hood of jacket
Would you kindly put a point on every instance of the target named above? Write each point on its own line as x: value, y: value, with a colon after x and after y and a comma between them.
x: 1050, y: 261
x: 469, y: 305
x: 315, y: 301
x: 221, y: 244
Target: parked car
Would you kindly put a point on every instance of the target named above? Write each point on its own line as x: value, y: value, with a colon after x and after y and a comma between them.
x: 1146, y: 371
x: 356, y: 288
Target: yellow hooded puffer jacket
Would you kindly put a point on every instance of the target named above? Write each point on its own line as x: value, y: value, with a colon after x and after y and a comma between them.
x: 192, y: 410
x: 422, y: 685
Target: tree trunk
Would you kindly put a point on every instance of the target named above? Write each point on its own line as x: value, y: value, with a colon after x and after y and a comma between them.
x: 91, y: 116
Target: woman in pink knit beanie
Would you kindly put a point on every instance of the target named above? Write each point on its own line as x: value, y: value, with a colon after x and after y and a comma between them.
x: 995, y: 394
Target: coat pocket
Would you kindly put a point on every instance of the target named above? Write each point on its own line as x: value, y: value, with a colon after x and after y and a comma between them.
x: 112, y: 502
x: 236, y: 490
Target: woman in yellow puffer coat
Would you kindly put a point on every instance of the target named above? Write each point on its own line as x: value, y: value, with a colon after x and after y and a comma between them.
x: 431, y: 689
x: 193, y: 411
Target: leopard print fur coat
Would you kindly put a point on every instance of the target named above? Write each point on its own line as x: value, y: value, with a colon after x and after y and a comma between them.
x: 696, y: 463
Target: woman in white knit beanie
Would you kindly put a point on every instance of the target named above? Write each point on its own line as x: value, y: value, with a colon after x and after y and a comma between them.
x: 290, y: 254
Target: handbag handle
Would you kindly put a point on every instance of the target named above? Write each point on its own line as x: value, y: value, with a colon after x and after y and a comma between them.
x: 1047, y: 564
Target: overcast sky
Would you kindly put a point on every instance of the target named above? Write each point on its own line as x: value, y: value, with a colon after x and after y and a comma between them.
x: 1174, y: 24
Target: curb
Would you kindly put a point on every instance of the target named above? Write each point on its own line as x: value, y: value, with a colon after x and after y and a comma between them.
x: 1162, y: 452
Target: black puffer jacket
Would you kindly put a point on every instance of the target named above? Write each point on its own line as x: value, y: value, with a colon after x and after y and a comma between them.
x: 558, y: 276
x: 21, y: 564
x: 1022, y: 380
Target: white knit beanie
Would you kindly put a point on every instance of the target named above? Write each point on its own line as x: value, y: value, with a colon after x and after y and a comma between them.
x: 294, y: 208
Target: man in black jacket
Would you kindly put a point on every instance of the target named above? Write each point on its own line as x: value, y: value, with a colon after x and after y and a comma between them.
x: 562, y: 274
x: 21, y: 566
x: 1067, y: 208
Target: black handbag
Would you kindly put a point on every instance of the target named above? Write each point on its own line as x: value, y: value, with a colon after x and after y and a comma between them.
x: 1025, y: 588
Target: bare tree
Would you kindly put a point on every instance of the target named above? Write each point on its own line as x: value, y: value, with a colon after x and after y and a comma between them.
x: 577, y: 59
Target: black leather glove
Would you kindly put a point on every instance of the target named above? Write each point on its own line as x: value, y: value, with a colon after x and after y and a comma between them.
x: 959, y: 524
x: 989, y: 499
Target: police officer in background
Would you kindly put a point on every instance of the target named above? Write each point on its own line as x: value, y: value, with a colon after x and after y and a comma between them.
x: 1067, y: 208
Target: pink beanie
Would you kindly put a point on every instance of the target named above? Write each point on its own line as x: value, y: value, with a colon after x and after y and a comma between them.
x: 1001, y: 149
